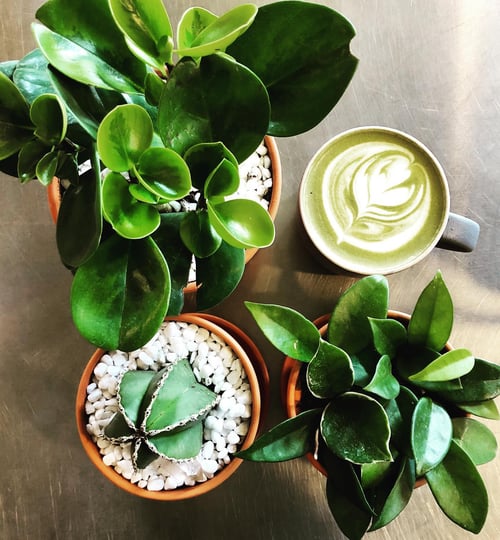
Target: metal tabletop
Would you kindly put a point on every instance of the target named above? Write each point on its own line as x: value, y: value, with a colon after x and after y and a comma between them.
x: 429, y: 68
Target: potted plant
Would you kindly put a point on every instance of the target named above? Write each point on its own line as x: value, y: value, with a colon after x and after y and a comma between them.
x: 384, y: 402
x: 164, y: 421
x: 135, y: 123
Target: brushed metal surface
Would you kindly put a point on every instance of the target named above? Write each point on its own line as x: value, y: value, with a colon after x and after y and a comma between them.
x: 429, y: 68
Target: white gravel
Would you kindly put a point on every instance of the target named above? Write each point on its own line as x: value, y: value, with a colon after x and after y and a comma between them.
x: 215, y: 365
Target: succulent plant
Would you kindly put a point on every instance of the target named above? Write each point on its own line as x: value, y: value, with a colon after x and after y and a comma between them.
x: 164, y: 115
x: 385, y: 403
x: 161, y: 413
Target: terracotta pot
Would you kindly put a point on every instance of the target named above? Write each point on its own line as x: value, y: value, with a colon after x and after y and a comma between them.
x: 291, y: 391
x: 257, y: 376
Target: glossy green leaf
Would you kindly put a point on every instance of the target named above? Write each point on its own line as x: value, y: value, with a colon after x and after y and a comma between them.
x: 124, y: 134
x: 182, y: 444
x: 459, y: 490
x: 133, y: 386
x: 193, y: 21
x: 218, y: 34
x: 374, y: 473
x: 147, y: 28
x: 242, y: 223
x: 485, y: 409
x: 29, y: 156
x: 432, y: 319
x: 139, y: 192
x: 164, y: 173
x: 202, y: 159
x: 304, y: 82
x: 198, y: 234
x: 142, y: 455
x: 349, y: 327
x: 388, y: 335
x: 118, y: 428
x: 451, y: 365
x: 475, y: 438
x: 431, y: 433
x: 119, y: 297
x: 48, y: 115
x: 46, y: 168
x: 400, y: 412
x: 16, y: 128
x: 153, y: 87
x: 330, y: 371
x: 223, y: 181
x: 383, y: 383
x: 91, y: 46
x: 218, y: 275
x: 289, y: 331
x: 364, y: 364
x: 32, y: 76
x: 8, y: 67
x: 291, y: 438
x: 195, y: 106
x: 356, y: 428
x: 79, y: 222
x: 129, y: 217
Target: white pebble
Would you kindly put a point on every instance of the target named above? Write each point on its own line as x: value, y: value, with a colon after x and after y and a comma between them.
x: 155, y: 484
x: 210, y: 466
x: 100, y: 370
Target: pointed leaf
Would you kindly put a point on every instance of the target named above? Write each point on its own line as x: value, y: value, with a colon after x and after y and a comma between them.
x: 400, y: 412
x: 242, y: 223
x: 349, y: 327
x: 289, y: 331
x: 32, y: 77
x: 193, y: 21
x: 485, y: 409
x: 291, y: 438
x: 330, y: 371
x: 119, y: 297
x: 46, y: 168
x: 383, y: 383
x: 451, y: 365
x: 431, y: 433
x: 119, y: 428
x: 223, y: 181
x: 475, y: 438
x: 182, y: 444
x: 198, y: 234
x: 459, y: 490
x: 133, y: 387
x: 432, y: 319
x: 388, y: 335
x: 48, y: 115
x: 356, y: 428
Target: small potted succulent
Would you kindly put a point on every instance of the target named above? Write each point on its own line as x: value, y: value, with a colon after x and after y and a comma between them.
x: 384, y: 404
x: 163, y: 422
x: 136, y: 124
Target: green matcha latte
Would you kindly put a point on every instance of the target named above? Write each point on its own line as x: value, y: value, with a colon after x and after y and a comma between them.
x: 374, y: 200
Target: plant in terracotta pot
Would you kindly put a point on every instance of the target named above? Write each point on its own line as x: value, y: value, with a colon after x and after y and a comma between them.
x: 164, y: 421
x: 138, y: 120
x: 385, y: 402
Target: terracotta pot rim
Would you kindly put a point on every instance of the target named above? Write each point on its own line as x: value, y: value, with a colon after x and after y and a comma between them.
x: 255, y: 382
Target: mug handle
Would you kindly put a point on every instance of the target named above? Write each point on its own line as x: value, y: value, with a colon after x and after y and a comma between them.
x: 460, y: 234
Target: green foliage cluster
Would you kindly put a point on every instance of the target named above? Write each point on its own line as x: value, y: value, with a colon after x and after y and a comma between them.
x: 161, y: 413
x: 110, y: 86
x: 389, y: 402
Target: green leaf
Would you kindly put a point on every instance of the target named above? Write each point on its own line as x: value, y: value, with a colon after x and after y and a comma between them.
x: 90, y: 47
x: 147, y: 27
x: 15, y: 125
x: 48, y: 115
x: 330, y: 371
x: 451, y: 365
x: 474, y: 438
x: 218, y: 275
x: 485, y: 409
x: 119, y: 297
x: 129, y: 217
x: 372, y: 474
x: 198, y: 234
x: 356, y: 428
x: 400, y: 412
x: 8, y: 67
x: 118, y: 428
x: 224, y: 180
x: 242, y: 223
x: 46, y: 168
x: 193, y: 21
x: 289, y: 331
x: 133, y: 386
x: 218, y: 34
x: 388, y: 335
x: 291, y: 438
x: 79, y: 222
x: 124, y: 134
x: 29, y: 155
x: 431, y: 433
x: 196, y: 107
x: 383, y: 383
x: 459, y: 490
x: 349, y: 327
x: 304, y: 82
x: 432, y: 319
x: 32, y: 76
x: 182, y: 444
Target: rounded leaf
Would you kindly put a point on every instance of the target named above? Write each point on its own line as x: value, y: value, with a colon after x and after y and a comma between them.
x: 47, y: 166
x: 193, y: 21
x: 383, y: 383
x: 48, y: 114
x: 475, y: 438
x: 223, y: 181
x: 198, y: 234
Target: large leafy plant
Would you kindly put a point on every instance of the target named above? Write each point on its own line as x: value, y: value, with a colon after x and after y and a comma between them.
x: 166, y: 117
x: 389, y: 403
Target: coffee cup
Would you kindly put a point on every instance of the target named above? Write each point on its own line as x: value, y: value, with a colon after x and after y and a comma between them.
x: 376, y: 200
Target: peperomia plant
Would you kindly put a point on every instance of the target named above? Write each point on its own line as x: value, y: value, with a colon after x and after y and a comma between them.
x: 385, y: 402
x: 161, y: 413
x: 134, y: 117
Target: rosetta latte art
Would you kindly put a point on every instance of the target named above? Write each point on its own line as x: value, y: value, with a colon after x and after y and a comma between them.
x: 376, y: 195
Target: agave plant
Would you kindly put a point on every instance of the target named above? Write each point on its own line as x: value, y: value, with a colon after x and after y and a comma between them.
x: 160, y: 413
x: 169, y: 114
x: 385, y: 403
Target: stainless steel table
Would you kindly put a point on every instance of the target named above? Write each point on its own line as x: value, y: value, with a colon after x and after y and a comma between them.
x: 429, y: 68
